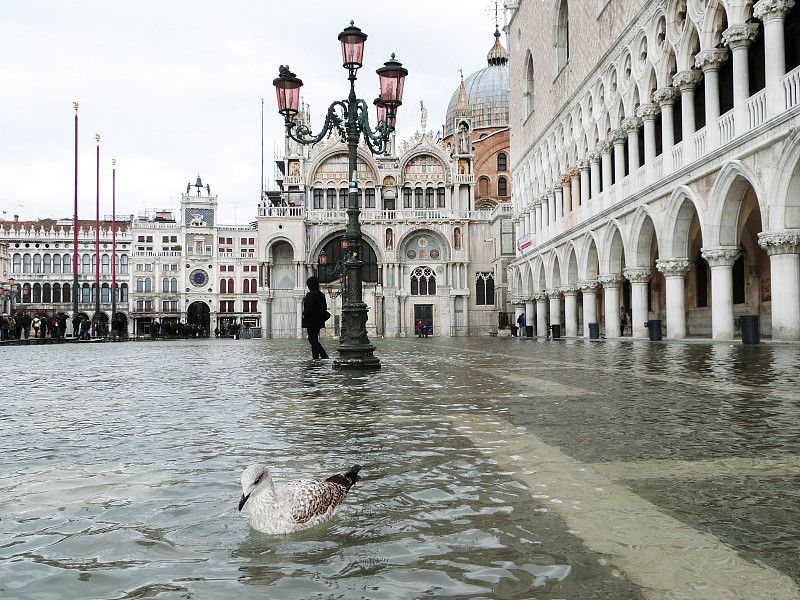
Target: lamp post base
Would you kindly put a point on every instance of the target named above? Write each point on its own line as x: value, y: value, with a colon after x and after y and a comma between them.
x: 356, y: 357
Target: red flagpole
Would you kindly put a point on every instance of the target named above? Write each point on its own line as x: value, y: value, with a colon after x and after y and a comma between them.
x: 113, y: 242
x: 75, y: 229
x: 97, y: 243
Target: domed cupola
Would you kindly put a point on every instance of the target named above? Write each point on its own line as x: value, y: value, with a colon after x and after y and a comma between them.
x: 484, y: 93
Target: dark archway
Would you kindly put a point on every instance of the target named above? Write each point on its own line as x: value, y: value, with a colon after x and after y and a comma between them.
x: 200, y: 315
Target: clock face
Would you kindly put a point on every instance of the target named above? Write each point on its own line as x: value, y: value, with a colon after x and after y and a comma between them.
x: 198, y: 278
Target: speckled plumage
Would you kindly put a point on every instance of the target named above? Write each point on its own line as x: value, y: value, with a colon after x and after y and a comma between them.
x: 297, y: 505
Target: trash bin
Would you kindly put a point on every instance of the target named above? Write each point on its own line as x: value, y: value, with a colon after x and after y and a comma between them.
x: 594, y: 331
x: 556, y: 328
x: 513, y: 331
x: 750, y: 328
x: 654, y: 327
x: 529, y: 330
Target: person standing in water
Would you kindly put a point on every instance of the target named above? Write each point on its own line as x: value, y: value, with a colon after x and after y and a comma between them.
x: 315, y: 313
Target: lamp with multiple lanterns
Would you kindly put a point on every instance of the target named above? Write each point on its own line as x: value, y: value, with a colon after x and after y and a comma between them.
x: 349, y: 118
x: 10, y: 294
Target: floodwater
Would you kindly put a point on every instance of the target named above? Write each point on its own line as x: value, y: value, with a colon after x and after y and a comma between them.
x: 493, y: 468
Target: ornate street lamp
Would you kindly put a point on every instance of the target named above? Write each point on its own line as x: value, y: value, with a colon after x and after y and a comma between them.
x: 349, y: 118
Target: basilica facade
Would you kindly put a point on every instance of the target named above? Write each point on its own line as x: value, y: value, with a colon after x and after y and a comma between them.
x: 656, y: 165
x: 435, y: 219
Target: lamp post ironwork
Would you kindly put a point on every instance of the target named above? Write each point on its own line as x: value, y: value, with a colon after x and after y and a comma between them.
x: 349, y: 118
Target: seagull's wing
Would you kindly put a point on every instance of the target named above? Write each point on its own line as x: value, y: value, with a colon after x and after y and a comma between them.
x: 312, y: 498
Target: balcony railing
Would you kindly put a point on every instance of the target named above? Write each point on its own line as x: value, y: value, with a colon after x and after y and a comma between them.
x: 791, y: 88
x: 757, y: 109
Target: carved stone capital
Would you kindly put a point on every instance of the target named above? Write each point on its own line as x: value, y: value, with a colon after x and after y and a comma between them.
x: 674, y: 267
x: 638, y: 274
x: 648, y: 112
x: 666, y: 95
x: 611, y: 280
x: 631, y: 124
x: 617, y: 136
x: 594, y: 157
x: 569, y: 290
x: 711, y: 59
x: 588, y: 286
x: 544, y: 198
x: 583, y: 165
x: 721, y: 257
x: 785, y: 242
x: 687, y: 80
x: 565, y: 179
x: 574, y: 173
x: 767, y: 10
x: 553, y: 293
x: 740, y: 35
x: 540, y: 296
x: 605, y: 146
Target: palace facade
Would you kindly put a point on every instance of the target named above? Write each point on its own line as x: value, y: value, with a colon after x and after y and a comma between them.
x: 656, y: 164
x: 41, y: 263
x: 435, y: 219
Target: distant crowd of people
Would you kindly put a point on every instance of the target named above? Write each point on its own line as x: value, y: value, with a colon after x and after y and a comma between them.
x: 22, y: 325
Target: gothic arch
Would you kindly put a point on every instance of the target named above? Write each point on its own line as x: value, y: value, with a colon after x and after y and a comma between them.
x: 612, y: 257
x: 681, y: 208
x: 725, y: 204
x: 590, y: 260
x: 554, y: 281
x: 784, y: 194
x: 328, y: 153
x: 272, y: 241
x: 643, y: 235
x: 527, y: 281
x: 408, y: 235
x: 572, y: 265
x: 541, y: 282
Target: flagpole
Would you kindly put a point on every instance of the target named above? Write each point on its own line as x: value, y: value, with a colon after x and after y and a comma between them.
x: 113, y: 245
x: 75, y: 262
x: 97, y: 245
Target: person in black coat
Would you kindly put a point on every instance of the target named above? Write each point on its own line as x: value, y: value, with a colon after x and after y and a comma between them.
x: 315, y: 313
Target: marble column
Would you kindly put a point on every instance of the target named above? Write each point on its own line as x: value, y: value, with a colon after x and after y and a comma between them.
x: 558, y: 202
x: 648, y: 113
x: 666, y: 98
x: 631, y: 127
x: 298, y: 309
x: 566, y: 194
x: 721, y: 262
x: 570, y: 310
x: 584, y: 184
x: 783, y: 249
x: 607, y: 165
x: 589, y: 291
x: 686, y: 81
x: 639, y: 278
x: 675, y: 270
x: 544, y: 214
x: 530, y: 312
x: 618, y: 138
x: 554, y: 296
x: 611, y: 285
x: 575, y: 187
x: 594, y: 175
x: 738, y: 38
x: 710, y: 62
x: 773, y: 14
x: 541, y: 314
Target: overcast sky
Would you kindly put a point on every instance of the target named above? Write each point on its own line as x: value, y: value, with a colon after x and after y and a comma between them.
x: 174, y: 88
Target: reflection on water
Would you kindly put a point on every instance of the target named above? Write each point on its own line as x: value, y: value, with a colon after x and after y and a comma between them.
x: 121, y: 462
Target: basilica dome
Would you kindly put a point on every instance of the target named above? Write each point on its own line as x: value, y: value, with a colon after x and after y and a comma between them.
x: 485, y: 93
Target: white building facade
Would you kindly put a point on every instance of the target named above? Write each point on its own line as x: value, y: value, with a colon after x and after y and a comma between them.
x: 41, y: 255
x: 190, y: 275
x: 656, y: 165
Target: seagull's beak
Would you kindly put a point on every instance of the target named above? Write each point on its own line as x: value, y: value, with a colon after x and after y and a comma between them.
x: 242, y: 501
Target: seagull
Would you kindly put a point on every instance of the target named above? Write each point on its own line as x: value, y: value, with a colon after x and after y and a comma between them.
x: 298, y: 504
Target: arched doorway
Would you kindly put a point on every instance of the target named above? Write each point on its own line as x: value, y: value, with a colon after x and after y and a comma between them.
x: 100, y: 324
x: 198, y: 317
x: 120, y: 325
